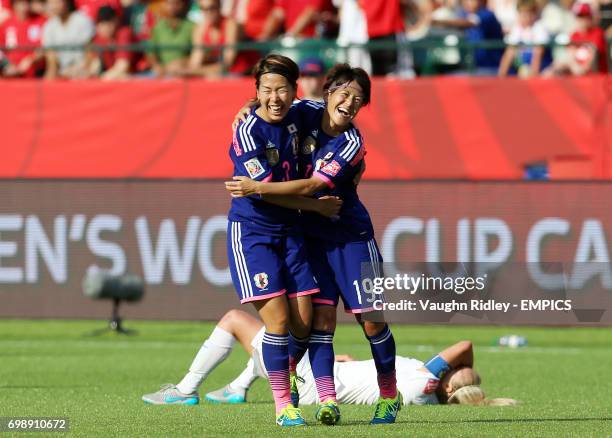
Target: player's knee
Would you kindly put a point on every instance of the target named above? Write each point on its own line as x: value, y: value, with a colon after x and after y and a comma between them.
x: 324, y: 319
x: 372, y: 328
x: 230, y: 319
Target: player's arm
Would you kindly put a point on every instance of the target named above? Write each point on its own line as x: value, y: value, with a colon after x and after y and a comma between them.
x: 328, y: 206
x: 457, y: 355
x: 242, y: 186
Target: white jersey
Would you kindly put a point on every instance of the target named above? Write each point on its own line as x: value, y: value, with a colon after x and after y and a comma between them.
x: 356, y: 381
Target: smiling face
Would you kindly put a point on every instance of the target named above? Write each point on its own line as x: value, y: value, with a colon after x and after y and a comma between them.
x: 275, y: 95
x: 343, y: 104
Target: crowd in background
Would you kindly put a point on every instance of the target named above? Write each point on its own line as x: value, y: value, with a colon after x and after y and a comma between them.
x: 184, y: 37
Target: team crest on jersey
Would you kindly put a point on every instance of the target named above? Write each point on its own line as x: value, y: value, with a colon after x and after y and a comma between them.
x: 309, y: 145
x: 328, y: 156
x: 292, y: 129
x: 272, y: 156
x: 254, y: 167
x: 332, y: 168
x: 261, y: 280
x: 320, y: 163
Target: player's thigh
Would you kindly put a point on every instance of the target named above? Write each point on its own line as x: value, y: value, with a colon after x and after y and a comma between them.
x: 355, y: 265
x: 255, y: 266
x: 299, y: 276
x: 329, y: 293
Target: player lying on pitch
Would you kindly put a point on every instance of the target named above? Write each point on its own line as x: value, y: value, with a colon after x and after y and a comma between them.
x: 447, y: 378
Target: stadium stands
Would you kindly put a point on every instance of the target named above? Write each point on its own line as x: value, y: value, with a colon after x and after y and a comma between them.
x: 225, y: 37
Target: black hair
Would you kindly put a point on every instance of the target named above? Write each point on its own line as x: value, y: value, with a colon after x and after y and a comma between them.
x: 343, y: 74
x: 106, y: 13
x: 280, y: 65
x: 71, y: 5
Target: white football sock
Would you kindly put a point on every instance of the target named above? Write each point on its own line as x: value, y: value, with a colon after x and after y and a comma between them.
x: 214, y: 351
x: 246, y: 378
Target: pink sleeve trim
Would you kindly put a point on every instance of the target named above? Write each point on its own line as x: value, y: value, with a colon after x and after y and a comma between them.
x: 267, y: 178
x: 325, y: 179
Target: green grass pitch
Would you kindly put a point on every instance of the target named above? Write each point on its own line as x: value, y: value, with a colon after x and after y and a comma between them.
x: 53, y: 368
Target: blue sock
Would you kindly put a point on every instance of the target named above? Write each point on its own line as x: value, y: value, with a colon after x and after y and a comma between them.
x: 383, y: 353
x: 321, y: 355
x: 297, y: 349
x: 275, y: 352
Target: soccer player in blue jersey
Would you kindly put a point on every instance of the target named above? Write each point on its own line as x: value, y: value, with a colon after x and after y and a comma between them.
x: 265, y: 246
x: 338, y: 249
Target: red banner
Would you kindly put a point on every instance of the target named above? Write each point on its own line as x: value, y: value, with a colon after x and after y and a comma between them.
x: 474, y: 128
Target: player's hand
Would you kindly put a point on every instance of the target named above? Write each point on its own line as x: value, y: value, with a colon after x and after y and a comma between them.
x: 242, y: 186
x: 329, y: 206
x: 243, y: 113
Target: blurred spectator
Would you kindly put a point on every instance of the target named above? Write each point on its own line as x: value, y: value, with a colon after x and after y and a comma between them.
x: 506, y: 13
x: 605, y: 12
x: 385, y: 24
x: 312, y: 78
x: 527, y: 41
x: 299, y: 17
x: 91, y: 7
x: 5, y: 10
x: 38, y: 7
x: 256, y: 20
x: 480, y: 25
x: 557, y: 18
x: 66, y: 27
x: 173, y: 30
x: 214, y: 30
x: 109, y: 63
x: 587, y: 50
x: 140, y: 19
x: 22, y: 28
x: 353, y: 30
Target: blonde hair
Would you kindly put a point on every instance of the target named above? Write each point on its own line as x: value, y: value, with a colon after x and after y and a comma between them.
x: 467, y: 391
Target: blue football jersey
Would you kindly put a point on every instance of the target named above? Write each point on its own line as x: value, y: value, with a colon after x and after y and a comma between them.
x: 337, y: 161
x: 265, y: 152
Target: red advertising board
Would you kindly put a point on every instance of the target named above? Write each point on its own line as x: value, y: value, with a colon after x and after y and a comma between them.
x: 448, y: 127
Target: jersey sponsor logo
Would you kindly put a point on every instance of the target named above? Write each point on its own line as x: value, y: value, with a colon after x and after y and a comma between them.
x: 328, y: 156
x: 292, y: 129
x: 254, y: 168
x: 270, y: 145
x: 332, y: 168
x: 309, y: 145
x: 431, y: 386
x: 261, y: 280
